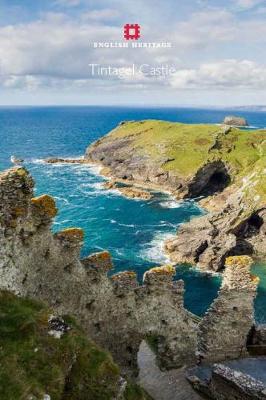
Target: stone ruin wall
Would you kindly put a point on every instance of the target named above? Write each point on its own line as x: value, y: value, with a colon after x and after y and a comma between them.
x: 223, y: 331
x: 116, y: 312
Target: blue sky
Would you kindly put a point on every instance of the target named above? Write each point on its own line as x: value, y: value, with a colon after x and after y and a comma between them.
x: 218, y: 52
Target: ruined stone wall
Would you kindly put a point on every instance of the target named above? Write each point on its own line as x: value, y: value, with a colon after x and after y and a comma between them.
x: 225, y: 327
x: 117, y: 313
x: 230, y: 381
x: 228, y: 384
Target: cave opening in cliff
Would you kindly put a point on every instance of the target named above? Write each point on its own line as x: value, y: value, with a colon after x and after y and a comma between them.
x: 250, y: 227
x: 242, y: 248
x: 211, y: 179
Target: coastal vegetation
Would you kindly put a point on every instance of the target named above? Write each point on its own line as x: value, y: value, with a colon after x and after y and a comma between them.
x: 221, y: 166
x: 36, y: 364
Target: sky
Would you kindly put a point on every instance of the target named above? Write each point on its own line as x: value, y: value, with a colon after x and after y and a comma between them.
x: 217, y: 54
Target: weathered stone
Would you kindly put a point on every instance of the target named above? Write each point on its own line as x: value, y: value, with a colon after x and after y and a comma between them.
x: 45, y: 205
x: 57, y: 160
x: 135, y: 193
x: 224, y: 329
x: 208, y: 240
x: 117, y: 313
x: 229, y: 384
x: 242, y: 379
x: 110, y: 185
x: 259, y: 335
x: 232, y: 120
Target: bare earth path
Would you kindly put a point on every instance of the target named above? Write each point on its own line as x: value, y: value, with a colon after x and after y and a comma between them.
x: 163, y: 385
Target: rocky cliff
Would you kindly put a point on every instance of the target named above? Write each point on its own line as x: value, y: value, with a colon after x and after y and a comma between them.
x: 117, y: 312
x: 222, y: 166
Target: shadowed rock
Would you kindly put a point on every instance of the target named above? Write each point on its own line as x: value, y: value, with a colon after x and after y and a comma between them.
x: 232, y: 120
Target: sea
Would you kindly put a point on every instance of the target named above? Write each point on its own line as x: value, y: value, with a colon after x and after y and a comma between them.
x: 132, y: 230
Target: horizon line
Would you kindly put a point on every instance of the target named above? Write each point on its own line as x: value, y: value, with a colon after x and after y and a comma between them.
x: 137, y: 106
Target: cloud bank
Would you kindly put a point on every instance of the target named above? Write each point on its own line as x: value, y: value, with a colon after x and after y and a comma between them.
x: 53, y: 51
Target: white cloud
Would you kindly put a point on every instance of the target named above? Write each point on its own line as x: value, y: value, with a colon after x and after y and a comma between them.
x: 101, y: 15
x: 226, y: 74
x: 203, y: 28
x: 31, y: 83
x: 55, y: 52
x: 67, y: 3
x: 248, y: 4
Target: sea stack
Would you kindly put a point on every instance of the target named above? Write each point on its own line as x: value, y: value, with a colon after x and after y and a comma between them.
x: 232, y: 120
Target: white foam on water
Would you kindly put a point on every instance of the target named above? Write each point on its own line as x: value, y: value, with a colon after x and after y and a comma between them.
x: 65, y: 221
x: 98, y: 190
x: 61, y: 199
x: 95, y: 185
x: 119, y: 252
x: 249, y: 127
x: 170, y: 204
x: 170, y: 224
x: 37, y: 161
x: 94, y: 169
x: 154, y: 251
x: 127, y: 225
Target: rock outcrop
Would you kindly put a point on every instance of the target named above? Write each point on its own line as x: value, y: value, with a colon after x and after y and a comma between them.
x: 224, y: 329
x: 209, y: 240
x: 58, y: 160
x: 232, y: 120
x: 128, y: 191
x: 117, y: 313
x: 223, y: 166
x: 235, y: 380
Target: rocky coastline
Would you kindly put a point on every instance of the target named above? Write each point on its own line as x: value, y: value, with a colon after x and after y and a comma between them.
x: 128, y: 191
x: 117, y: 312
x: 151, y: 154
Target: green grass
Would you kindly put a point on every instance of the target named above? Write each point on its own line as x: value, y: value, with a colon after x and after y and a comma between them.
x: 152, y: 341
x: 189, y: 147
x: 32, y: 363
x: 134, y: 392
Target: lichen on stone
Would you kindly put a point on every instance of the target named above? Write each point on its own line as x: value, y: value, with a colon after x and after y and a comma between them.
x: 21, y: 171
x: 19, y: 211
x: 164, y: 270
x: 239, y: 261
x: 45, y: 204
x: 104, y: 255
x: 124, y: 276
x: 71, y: 234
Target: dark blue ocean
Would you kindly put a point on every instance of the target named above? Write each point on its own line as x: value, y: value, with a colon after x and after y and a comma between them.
x: 133, y: 231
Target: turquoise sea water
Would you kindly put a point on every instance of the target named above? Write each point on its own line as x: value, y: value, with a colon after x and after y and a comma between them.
x: 133, y: 231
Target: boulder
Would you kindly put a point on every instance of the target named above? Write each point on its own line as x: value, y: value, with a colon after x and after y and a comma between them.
x: 232, y: 120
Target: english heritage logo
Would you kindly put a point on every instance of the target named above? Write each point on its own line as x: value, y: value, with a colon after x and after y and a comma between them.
x: 131, y: 34
x: 131, y: 31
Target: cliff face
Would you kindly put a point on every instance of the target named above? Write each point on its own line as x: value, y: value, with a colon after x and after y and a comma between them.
x: 116, y: 312
x: 223, y: 166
